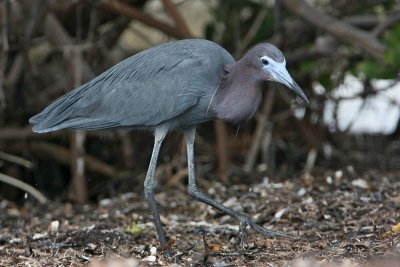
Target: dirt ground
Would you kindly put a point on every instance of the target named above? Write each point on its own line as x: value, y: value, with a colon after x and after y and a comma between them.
x: 334, y: 219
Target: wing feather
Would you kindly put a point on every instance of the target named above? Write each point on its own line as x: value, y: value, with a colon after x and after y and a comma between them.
x: 144, y: 90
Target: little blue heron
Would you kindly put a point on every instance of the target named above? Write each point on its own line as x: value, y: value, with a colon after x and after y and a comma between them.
x: 174, y: 85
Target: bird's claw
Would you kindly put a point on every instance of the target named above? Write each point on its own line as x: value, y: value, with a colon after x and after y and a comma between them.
x: 265, y: 231
x: 246, y: 221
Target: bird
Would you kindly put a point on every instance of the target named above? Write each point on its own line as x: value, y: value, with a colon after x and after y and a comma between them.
x: 174, y: 86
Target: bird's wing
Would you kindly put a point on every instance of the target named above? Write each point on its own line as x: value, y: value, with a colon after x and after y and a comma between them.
x: 143, y: 90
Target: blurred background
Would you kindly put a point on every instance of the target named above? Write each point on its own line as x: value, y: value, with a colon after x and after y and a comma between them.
x: 345, y: 55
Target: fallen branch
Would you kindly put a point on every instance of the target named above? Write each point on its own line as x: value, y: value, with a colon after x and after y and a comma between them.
x: 23, y: 186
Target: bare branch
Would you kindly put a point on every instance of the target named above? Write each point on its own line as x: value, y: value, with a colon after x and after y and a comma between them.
x: 180, y: 23
x: 123, y: 8
x: 58, y: 37
x: 258, y: 136
x: 252, y: 31
x: 341, y: 30
x: 63, y: 156
x: 15, y: 159
x: 23, y: 186
x: 390, y: 21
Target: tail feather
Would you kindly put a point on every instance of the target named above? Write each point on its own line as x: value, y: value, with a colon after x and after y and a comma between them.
x: 63, y: 113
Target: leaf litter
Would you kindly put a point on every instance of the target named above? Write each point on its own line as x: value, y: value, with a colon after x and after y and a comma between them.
x: 332, y: 222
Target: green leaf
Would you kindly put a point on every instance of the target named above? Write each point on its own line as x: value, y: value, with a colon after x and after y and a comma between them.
x: 134, y: 229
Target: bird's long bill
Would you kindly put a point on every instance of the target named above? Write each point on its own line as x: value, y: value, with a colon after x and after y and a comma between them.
x: 281, y: 75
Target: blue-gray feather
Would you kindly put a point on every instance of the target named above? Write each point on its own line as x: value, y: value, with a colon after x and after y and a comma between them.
x: 155, y: 86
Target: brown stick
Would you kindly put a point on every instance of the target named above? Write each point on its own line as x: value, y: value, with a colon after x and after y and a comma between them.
x: 23, y: 186
x: 262, y: 121
x: 77, y: 138
x: 252, y: 31
x: 341, y: 30
x: 123, y: 8
x: 222, y: 149
x: 62, y: 155
x: 79, y: 183
x: 390, y: 21
x: 180, y: 23
x: 16, y: 160
x: 12, y: 133
x: 81, y: 71
x: 127, y: 149
x: 57, y: 36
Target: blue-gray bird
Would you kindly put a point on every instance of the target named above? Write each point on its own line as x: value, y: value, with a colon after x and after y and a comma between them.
x: 175, y: 85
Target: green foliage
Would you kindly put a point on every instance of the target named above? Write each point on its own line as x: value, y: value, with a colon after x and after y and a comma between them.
x: 326, y: 80
x: 134, y: 229
x: 373, y: 69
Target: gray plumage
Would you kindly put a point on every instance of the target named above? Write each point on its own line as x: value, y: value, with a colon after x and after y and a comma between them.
x: 147, y: 89
x: 174, y: 85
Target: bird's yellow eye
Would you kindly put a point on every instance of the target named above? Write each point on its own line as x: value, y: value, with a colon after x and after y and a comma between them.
x: 264, y: 61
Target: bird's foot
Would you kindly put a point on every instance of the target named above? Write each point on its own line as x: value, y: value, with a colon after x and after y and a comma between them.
x: 245, y: 221
x: 265, y: 231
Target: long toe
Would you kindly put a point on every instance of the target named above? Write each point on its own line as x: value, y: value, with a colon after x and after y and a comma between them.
x: 265, y: 231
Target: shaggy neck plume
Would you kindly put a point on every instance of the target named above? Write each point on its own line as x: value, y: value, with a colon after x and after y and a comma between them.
x: 239, y: 93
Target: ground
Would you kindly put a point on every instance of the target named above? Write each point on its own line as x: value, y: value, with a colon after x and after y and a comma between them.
x: 334, y: 219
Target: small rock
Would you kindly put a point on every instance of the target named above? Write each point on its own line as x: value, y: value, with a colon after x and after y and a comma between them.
x: 54, y: 226
x: 278, y: 215
x: 301, y: 192
x: 39, y: 236
x: 360, y: 183
x: 338, y: 175
x: 153, y: 251
x: 308, y: 200
x: 105, y: 202
x: 15, y: 240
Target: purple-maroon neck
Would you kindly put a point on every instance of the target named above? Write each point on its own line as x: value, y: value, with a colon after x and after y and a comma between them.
x: 239, y: 93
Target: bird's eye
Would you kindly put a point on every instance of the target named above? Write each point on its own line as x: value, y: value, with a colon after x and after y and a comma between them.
x: 264, y: 61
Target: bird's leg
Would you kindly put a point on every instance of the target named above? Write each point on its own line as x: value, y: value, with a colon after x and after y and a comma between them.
x: 149, y: 187
x: 195, y: 193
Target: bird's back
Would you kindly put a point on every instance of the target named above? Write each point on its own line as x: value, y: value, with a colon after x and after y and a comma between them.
x: 145, y: 90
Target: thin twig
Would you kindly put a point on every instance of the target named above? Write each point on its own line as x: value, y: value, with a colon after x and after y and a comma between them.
x: 180, y: 23
x: 340, y: 29
x: 123, y: 8
x: 390, y: 21
x: 15, y: 159
x: 262, y: 121
x: 23, y: 186
x: 77, y: 138
x: 244, y: 43
x: 63, y: 155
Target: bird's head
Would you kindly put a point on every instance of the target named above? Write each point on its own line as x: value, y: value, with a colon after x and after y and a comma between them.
x: 271, y: 63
